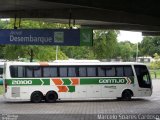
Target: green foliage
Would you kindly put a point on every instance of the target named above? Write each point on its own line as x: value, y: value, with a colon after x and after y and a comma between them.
x: 155, y: 74
x: 41, y: 53
x: 3, y: 24
x: 150, y: 46
x: 156, y: 64
x: 105, y: 44
x: 30, y: 24
x: 49, y: 53
x: 78, y: 52
x: 12, y: 52
x: 126, y: 50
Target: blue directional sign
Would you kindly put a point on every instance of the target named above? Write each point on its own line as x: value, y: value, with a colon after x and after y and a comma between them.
x: 69, y: 37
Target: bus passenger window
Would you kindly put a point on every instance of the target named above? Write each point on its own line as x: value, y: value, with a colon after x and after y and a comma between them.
x: 101, y: 72
x: 63, y: 71
x: 20, y: 71
x: 14, y: 71
x: 119, y: 71
x: 82, y: 72
x: 37, y: 72
x: 29, y: 72
x: 50, y: 72
x: 110, y: 71
x: 71, y: 72
x: 128, y: 71
x: 91, y: 71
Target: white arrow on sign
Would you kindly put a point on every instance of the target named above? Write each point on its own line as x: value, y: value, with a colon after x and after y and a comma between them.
x: 42, y: 81
x: 128, y: 80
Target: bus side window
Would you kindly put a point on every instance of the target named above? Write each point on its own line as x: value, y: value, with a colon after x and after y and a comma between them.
x: 128, y: 72
x: 20, y: 71
x: 119, y: 71
x: 71, y: 72
x: 91, y: 71
x: 14, y: 71
x: 63, y: 71
x: 29, y: 71
x: 50, y: 71
x: 101, y: 72
x: 38, y: 72
x: 82, y: 72
x: 110, y: 72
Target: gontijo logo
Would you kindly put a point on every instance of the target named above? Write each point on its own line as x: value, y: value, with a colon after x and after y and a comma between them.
x: 112, y: 81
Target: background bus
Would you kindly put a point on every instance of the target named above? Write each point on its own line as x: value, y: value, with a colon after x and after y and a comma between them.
x: 75, y: 80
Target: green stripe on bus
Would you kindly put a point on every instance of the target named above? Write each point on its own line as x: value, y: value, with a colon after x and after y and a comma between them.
x: 86, y: 81
x: 71, y: 88
x: 66, y: 81
x: 13, y: 82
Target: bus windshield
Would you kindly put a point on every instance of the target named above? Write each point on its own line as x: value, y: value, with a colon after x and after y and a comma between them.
x: 143, y: 76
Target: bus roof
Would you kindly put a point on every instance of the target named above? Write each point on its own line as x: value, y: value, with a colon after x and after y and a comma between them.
x: 73, y: 63
x: 2, y: 63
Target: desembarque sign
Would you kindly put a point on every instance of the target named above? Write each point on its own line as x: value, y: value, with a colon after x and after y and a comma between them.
x: 67, y: 37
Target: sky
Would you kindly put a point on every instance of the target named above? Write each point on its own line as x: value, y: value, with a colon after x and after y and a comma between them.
x: 133, y: 37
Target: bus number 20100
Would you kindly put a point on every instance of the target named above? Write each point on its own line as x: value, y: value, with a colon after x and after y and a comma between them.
x: 23, y: 82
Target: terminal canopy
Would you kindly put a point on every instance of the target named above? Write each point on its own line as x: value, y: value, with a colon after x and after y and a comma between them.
x: 137, y: 15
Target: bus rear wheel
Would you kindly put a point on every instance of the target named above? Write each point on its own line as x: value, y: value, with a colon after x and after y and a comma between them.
x: 36, y: 97
x: 51, y: 97
x: 127, y: 95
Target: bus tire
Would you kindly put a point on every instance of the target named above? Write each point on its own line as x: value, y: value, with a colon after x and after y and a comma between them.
x: 51, y: 97
x: 36, y: 97
x: 119, y: 98
x: 127, y: 95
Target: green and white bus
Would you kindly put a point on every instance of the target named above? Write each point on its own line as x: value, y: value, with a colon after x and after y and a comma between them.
x: 75, y: 81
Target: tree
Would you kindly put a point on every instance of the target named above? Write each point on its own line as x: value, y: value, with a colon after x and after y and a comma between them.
x: 156, y: 64
x: 78, y: 52
x: 126, y: 51
x: 49, y: 53
x: 150, y: 46
x: 41, y: 53
x: 105, y: 43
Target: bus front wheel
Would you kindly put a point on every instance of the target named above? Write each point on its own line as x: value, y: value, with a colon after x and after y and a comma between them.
x: 51, y: 97
x: 36, y: 97
x: 127, y: 95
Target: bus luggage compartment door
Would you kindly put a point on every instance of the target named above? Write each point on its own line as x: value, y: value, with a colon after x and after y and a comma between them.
x: 15, y: 91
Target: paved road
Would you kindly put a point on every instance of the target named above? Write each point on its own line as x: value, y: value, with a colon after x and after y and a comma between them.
x: 85, y: 109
